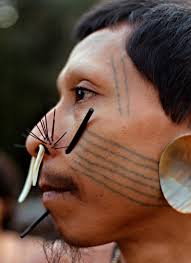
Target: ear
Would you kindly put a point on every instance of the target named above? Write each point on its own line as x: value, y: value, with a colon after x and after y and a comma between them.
x: 175, y: 173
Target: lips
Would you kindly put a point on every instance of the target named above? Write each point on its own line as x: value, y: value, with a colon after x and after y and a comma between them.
x: 55, y: 192
x: 53, y: 188
x: 57, y: 183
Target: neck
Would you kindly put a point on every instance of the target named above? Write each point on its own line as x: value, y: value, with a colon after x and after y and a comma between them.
x: 164, y: 238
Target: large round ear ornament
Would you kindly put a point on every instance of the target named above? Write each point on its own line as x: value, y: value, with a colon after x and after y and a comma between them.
x: 175, y: 174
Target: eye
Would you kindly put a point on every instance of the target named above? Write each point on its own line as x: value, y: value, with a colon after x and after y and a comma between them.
x: 82, y: 94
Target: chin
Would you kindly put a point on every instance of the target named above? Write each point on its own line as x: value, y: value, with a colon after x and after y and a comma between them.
x: 78, y: 239
x: 74, y: 240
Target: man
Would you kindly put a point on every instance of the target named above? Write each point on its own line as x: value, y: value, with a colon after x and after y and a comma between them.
x: 132, y: 66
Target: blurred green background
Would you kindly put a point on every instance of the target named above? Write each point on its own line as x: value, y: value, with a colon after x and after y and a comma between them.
x: 32, y: 52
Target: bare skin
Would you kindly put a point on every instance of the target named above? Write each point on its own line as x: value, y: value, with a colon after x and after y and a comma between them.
x: 115, y: 164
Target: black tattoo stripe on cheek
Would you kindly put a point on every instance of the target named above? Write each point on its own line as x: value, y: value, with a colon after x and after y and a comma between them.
x: 125, y: 158
x: 116, y: 191
x: 119, y: 168
x: 128, y: 150
x: 116, y: 86
x: 89, y: 163
x: 126, y: 85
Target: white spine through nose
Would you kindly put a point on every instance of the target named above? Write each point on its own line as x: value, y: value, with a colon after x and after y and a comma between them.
x: 32, y: 176
x: 37, y: 164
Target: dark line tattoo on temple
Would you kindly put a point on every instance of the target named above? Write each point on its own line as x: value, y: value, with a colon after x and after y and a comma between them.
x: 116, y: 84
x: 127, y: 106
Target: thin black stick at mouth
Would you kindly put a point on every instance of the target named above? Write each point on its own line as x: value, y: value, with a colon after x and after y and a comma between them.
x: 34, y: 224
x: 79, y: 132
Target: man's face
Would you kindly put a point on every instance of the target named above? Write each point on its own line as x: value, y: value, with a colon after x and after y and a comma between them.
x: 114, y: 166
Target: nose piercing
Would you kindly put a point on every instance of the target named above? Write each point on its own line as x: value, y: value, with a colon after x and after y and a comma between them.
x: 32, y: 176
x: 33, y: 173
x: 27, y: 186
x: 80, y: 131
x: 36, y: 162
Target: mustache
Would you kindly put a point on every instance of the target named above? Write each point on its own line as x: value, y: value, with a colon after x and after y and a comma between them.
x: 55, y: 181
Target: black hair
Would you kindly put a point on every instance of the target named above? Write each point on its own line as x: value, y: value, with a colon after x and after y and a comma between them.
x: 159, y: 46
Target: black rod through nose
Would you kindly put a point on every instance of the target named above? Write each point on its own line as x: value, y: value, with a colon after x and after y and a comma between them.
x: 80, y: 131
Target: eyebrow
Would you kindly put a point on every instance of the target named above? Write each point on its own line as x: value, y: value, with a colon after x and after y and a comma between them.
x: 87, y: 71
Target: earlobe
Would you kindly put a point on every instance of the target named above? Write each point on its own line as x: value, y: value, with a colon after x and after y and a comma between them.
x: 175, y: 173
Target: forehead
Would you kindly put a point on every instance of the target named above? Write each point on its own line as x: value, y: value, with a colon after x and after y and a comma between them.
x: 108, y: 39
x: 97, y: 49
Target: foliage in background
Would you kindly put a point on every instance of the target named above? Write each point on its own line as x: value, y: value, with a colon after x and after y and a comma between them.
x: 31, y: 54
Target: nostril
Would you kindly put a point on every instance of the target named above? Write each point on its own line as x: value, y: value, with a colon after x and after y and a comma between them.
x: 36, y: 150
x: 33, y: 141
x: 45, y: 148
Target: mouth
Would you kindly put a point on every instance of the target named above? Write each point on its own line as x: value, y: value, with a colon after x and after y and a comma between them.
x: 56, y: 187
x: 60, y: 189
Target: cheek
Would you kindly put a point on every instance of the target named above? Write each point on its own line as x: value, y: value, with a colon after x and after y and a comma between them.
x: 149, y: 134
x: 116, y: 169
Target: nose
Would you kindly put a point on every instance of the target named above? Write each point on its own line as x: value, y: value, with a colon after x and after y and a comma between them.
x: 41, y: 134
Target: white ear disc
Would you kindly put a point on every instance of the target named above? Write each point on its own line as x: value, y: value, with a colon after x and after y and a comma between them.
x: 37, y: 164
x: 28, y: 183
x: 175, y: 174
